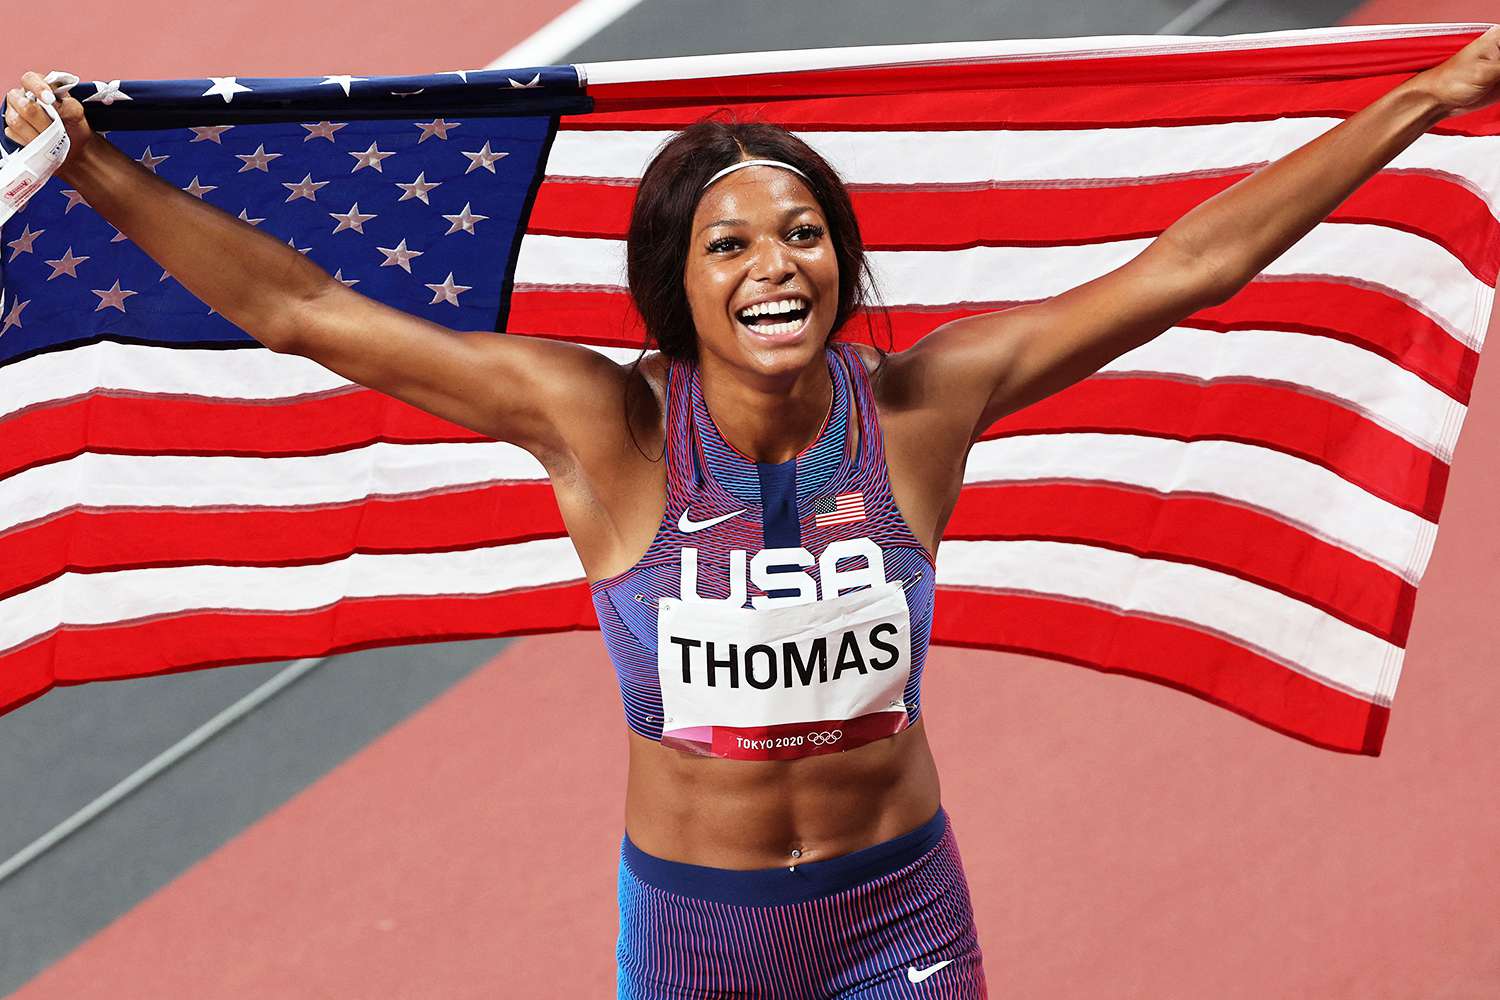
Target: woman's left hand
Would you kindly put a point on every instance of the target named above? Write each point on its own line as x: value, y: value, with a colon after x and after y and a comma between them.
x: 1470, y: 79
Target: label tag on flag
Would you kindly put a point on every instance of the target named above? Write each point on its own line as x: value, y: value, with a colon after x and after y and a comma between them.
x: 23, y: 172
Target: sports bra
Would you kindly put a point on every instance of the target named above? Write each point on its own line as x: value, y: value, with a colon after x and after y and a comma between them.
x: 782, y: 610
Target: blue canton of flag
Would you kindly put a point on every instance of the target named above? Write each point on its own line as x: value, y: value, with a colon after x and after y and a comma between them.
x: 423, y: 212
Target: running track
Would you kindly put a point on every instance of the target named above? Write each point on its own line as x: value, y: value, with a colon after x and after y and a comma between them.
x: 1122, y: 840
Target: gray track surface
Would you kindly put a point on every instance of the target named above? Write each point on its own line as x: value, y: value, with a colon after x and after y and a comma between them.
x: 59, y: 753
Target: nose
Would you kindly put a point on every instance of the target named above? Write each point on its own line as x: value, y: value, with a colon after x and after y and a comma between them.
x: 772, y: 262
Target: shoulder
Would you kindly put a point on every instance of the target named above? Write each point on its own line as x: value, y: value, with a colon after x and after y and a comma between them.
x: 890, y: 377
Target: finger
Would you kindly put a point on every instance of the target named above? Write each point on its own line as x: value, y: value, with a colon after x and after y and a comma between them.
x: 38, y: 87
x: 30, y: 109
x: 17, y: 127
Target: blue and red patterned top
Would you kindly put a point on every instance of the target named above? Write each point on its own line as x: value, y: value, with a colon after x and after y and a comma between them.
x: 758, y: 536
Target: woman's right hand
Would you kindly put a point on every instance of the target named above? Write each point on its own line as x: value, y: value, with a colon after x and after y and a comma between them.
x: 25, y: 119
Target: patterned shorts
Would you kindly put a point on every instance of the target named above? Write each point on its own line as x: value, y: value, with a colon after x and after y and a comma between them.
x: 892, y: 920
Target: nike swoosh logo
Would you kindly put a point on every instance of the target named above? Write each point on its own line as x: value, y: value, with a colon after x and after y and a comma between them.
x: 688, y: 526
x: 915, y: 976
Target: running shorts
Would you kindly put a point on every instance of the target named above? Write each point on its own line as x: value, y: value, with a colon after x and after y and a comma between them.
x: 891, y: 920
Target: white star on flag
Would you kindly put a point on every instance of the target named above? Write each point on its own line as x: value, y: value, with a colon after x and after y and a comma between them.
x: 347, y: 282
x: 74, y: 200
x: 484, y: 158
x: 418, y: 188
x: 13, y: 318
x: 118, y: 237
x: 244, y: 217
x: 463, y: 221
x: 353, y: 219
x: 199, y: 190
x: 305, y: 188
x: 209, y: 133
x: 225, y: 87
x: 66, y: 264
x: 531, y: 84
x: 399, y: 256
x: 113, y: 298
x: 23, y: 243
x: 462, y: 74
x: 370, y: 158
x: 295, y: 247
x: 344, y: 81
x: 258, y: 160
x: 447, y: 291
x: 322, y: 130
x: 107, y: 93
x: 150, y: 162
x: 436, y: 127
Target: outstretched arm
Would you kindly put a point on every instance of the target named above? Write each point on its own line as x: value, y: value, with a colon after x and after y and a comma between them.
x: 529, y: 391
x: 986, y: 366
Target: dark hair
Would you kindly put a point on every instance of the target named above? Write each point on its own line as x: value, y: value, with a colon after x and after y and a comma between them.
x: 661, y: 223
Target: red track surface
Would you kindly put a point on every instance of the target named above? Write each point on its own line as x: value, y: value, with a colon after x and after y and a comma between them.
x: 1121, y: 839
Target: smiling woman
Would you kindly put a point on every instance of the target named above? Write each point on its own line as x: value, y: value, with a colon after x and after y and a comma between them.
x: 765, y: 584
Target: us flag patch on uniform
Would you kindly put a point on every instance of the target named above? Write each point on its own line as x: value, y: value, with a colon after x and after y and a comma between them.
x: 846, y: 508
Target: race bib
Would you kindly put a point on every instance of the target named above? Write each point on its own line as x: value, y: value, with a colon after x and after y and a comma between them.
x: 785, y: 681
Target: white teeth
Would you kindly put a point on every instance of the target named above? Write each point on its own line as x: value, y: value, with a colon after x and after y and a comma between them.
x: 776, y: 329
x: 773, y: 308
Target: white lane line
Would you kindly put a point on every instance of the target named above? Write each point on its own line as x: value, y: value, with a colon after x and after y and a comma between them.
x: 564, y: 33
x: 1193, y: 17
x: 156, y: 765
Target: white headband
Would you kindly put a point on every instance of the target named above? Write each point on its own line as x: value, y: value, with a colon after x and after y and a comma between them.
x: 754, y: 163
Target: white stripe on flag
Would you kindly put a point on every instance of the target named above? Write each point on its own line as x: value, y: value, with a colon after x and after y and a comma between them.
x: 1298, y: 635
x: 1385, y: 393
x: 1425, y: 274
x: 250, y: 374
x: 1389, y: 395
x: 1286, y: 487
x: 1054, y: 155
x: 83, y: 599
x: 193, y: 481
x: 1092, y: 47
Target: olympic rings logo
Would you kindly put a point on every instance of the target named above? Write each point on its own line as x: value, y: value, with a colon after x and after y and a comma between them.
x: 827, y: 738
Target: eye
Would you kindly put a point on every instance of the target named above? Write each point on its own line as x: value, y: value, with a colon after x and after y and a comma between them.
x: 807, y: 232
x: 724, y: 244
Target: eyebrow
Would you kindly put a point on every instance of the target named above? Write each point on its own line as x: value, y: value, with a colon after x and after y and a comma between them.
x: 789, y: 213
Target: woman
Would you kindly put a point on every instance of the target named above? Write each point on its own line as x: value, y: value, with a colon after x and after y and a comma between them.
x: 758, y: 506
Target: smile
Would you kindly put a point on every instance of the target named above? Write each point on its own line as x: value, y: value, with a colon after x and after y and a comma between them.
x: 780, y: 318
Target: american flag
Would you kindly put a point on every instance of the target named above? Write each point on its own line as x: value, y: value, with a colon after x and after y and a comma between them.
x: 846, y: 508
x: 1242, y: 508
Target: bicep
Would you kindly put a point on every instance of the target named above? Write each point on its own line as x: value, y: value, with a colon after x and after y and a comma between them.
x: 996, y: 363
x: 523, y: 390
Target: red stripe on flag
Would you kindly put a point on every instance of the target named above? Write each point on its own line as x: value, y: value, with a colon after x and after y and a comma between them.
x: 961, y: 216
x: 140, y: 424
x: 194, y: 640
x: 1268, y: 415
x: 1086, y: 105
x: 1307, y: 63
x: 1212, y: 668
x: 1203, y: 531
x: 85, y: 541
x: 1363, y: 317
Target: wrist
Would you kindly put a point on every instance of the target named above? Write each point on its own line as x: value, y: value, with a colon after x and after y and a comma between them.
x: 1422, y: 97
x: 82, y: 160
